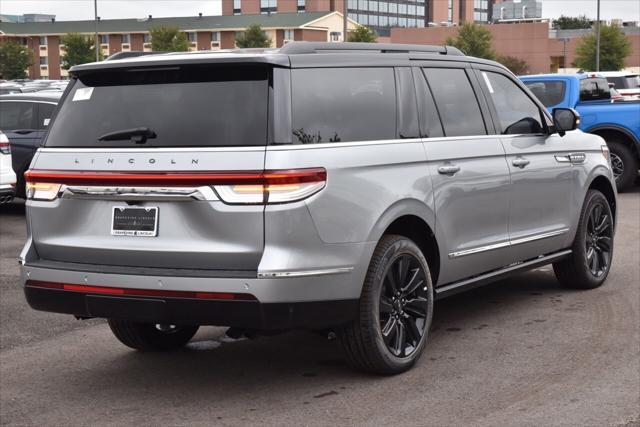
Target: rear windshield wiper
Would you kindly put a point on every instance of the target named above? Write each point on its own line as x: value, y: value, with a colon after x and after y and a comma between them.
x: 137, y: 135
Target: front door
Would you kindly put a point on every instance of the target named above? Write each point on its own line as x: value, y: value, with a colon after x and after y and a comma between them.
x: 541, y: 173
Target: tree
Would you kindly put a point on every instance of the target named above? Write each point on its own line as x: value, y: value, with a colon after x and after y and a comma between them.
x: 14, y: 60
x: 571, y: 23
x: 362, y: 34
x: 253, y: 37
x: 614, y: 48
x: 168, y: 39
x: 516, y: 65
x: 473, y: 40
x: 78, y: 49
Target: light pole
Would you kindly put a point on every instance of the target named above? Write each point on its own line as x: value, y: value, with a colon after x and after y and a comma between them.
x: 598, y: 37
x: 564, y: 53
x: 96, y: 44
x: 344, y: 21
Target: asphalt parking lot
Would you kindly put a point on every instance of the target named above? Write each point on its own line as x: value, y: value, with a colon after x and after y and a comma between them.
x: 519, y: 352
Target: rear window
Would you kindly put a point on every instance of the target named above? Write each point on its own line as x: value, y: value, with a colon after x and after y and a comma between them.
x: 190, y: 106
x: 343, y: 105
x: 550, y: 93
x: 593, y: 89
x: 625, y: 82
x: 16, y: 115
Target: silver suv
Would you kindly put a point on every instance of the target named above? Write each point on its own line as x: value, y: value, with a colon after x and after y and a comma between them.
x: 319, y: 186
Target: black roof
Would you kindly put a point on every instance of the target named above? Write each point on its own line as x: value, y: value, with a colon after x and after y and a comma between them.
x: 296, y: 54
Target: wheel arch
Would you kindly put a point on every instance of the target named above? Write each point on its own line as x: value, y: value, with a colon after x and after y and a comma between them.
x: 603, y: 185
x: 612, y: 131
x: 414, y: 220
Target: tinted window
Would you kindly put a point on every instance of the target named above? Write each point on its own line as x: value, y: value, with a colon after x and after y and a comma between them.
x: 456, y: 102
x: 184, y: 106
x: 343, y: 104
x: 594, y: 89
x: 429, y: 121
x: 625, y: 82
x: 550, y: 93
x: 16, y: 115
x: 517, y: 113
x: 45, y: 111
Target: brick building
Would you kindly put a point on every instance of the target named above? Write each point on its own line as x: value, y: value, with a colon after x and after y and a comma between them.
x: 204, y: 33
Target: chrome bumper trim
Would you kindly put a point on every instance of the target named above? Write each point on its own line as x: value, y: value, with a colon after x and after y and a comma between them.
x: 304, y: 273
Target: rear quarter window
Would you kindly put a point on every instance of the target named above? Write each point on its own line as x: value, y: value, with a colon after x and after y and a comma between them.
x: 594, y: 89
x: 343, y: 105
x: 190, y: 106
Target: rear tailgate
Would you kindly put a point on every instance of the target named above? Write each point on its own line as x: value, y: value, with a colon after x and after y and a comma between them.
x: 202, y: 121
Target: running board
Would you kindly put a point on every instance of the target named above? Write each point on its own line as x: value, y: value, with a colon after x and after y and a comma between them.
x: 483, y: 279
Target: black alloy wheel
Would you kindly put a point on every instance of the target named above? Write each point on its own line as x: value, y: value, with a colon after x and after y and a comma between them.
x: 404, y: 305
x: 599, y: 238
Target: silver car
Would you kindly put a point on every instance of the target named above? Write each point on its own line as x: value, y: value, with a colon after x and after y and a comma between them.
x: 319, y: 186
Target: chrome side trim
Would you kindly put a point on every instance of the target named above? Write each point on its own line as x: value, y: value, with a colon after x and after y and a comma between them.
x: 507, y: 244
x: 285, y: 147
x: 539, y: 236
x: 285, y: 274
x: 139, y: 193
x: 150, y: 150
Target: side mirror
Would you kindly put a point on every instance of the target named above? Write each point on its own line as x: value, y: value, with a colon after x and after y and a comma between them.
x: 565, y: 119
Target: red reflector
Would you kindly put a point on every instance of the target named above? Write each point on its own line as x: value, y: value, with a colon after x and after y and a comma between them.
x: 175, y: 179
x: 139, y: 292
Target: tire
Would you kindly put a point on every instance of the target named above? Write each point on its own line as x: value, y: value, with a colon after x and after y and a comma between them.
x: 624, y: 164
x: 381, y: 311
x: 592, y: 246
x: 151, y: 337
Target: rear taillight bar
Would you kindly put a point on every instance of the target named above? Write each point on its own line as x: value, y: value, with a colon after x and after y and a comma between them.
x: 107, y: 290
x: 247, y: 187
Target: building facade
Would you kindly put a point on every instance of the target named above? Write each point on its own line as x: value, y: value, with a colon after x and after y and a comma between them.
x: 44, y: 39
x: 380, y: 15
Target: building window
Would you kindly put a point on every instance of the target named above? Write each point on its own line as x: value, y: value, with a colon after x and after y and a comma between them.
x: 268, y: 6
x: 192, y: 36
x: 147, y: 38
x: 215, y: 36
x: 43, y: 41
x: 44, y: 60
x: 126, y: 38
x: 302, y: 5
x: 237, y: 7
x: 450, y: 11
x: 288, y: 35
x: 104, y: 39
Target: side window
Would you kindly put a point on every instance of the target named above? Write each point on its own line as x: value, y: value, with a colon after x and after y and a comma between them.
x: 517, y: 113
x: 594, y: 89
x: 45, y: 111
x: 550, y: 92
x: 456, y: 102
x: 343, y: 105
x: 16, y: 115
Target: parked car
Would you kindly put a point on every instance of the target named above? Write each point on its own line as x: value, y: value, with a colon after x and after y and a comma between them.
x: 24, y: 118
x: 627, y: 84
x: 7, y: 176
x: 618, y: 123
x: 306, y: 187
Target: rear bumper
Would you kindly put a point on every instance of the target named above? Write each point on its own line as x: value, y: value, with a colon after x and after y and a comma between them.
x: 241, y: 314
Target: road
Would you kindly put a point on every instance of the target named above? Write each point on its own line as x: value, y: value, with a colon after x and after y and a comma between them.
x: 519, y: 352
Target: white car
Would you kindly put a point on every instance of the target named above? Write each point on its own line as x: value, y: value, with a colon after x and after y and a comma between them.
x: 7, y: 175
x: 627, y: 84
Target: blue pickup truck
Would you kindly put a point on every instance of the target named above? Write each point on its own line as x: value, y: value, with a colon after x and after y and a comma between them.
x: 617, y: 122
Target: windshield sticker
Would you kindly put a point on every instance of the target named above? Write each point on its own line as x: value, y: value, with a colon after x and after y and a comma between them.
x: 83, y: 94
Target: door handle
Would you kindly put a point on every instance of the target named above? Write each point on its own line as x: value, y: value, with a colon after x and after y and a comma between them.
x: 448, y: 169
x: 520, y: 162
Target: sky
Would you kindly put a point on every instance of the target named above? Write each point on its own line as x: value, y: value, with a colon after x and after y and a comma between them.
x: 629, y: 10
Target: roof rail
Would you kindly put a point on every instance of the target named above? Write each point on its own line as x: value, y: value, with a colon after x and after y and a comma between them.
x: 296, y: 48
x: 130, y: 54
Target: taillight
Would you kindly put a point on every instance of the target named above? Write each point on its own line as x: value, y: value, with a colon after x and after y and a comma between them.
x: 5, y: 147
x: 232, y: 187
x: 275, y: 187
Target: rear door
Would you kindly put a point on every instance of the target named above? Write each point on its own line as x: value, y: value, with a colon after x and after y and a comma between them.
x: 202, y: 124
x: 540, y: 213
x: 469, y: 174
